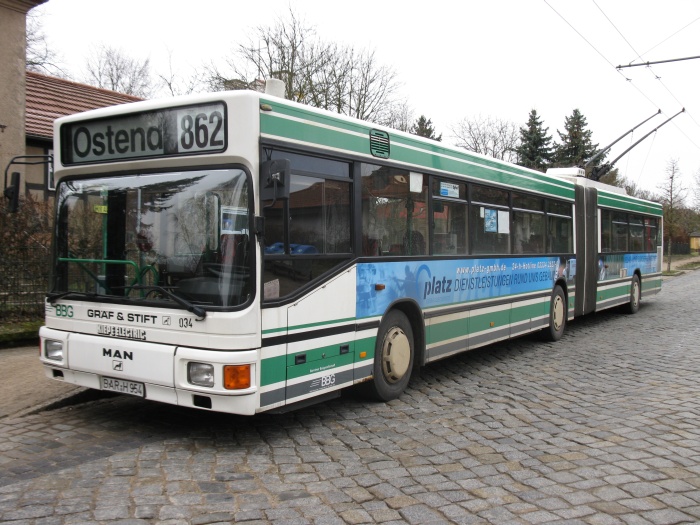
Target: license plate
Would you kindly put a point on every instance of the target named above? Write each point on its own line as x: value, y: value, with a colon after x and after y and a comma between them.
x: 123, y: 387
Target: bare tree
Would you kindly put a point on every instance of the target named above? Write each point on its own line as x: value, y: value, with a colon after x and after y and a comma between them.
x: 673, y: 198
x: 175, y: 84
x: 634, y: 190
x: 110, y: 68
x: 696, y: 191
x: 488, y: 135
x: 40, y: 57
x: 280, y: 51
x: 317, y: 73
x: 371, y: 85
x: 399, y: 116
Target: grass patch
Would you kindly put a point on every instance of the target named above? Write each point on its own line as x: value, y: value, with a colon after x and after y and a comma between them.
x: 11, y: 332
x: 690, y: 266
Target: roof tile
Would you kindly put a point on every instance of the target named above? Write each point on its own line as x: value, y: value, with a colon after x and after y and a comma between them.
x: 49, y: 98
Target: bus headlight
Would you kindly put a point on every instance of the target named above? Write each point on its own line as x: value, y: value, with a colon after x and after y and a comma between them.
x: 53, y: 350
x: 200, y: 374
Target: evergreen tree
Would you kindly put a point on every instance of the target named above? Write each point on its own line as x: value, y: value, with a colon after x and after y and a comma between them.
x: 535, y: 150
x: 423, y: 127
x: 576, y: 146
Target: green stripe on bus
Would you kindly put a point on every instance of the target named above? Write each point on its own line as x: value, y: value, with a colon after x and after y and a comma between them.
x: 616, y: 291
x: 623, y: 202
x: 273, y: 370
x: 650, y: 284
x: 313, y: 367
x: 320, y: 353
x: 447, y: 330
x: 454, y: 329
x: 367, y: 345
x: 344, y: 137
x: 307, y: 326
x: 321, y: 323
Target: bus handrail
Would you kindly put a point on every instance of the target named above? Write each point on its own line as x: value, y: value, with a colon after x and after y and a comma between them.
x: 137, y: 280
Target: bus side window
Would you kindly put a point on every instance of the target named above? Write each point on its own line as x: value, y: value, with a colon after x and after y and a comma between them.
x: 450, y: 218
x: 310, y: 233
x: 560, y: 227
x: 450, y: 228
x: 394, y: 211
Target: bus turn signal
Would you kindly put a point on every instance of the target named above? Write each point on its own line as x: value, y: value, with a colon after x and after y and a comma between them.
x: 236, y: 377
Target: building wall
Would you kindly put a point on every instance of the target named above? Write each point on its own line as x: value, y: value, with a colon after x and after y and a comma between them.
x: 12, y: 80
x: 36, y: 180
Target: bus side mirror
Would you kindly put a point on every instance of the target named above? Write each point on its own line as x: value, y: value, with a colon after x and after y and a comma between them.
x: 12, y: 193
x: 274, y: 179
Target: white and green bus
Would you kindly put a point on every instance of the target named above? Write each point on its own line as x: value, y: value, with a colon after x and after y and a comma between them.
x: 238, y: 252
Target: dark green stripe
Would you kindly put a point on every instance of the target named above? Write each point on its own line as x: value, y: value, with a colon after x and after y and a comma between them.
x: 482, y: 169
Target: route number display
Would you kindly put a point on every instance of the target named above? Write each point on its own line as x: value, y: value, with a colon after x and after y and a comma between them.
x: 168, y: 132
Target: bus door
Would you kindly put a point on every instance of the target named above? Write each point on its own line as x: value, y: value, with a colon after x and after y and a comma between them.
x: 320, y: 340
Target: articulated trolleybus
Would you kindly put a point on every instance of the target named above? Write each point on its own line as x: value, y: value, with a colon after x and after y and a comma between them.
x: 240, y: 253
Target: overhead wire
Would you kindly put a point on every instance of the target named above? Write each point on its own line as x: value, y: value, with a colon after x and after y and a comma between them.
x: 656, y: 77
x: 599, y: 52
x: 629, y: 80
x: 653, y: 138
x: 670, y: 36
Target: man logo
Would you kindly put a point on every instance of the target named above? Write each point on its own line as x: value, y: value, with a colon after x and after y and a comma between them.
x: 118, y: 365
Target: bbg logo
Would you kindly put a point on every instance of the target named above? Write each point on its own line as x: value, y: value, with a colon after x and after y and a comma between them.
x: 63, y: 310
x: 328, y: 380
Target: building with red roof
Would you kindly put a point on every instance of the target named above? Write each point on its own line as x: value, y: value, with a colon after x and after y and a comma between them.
x: 48, y: 98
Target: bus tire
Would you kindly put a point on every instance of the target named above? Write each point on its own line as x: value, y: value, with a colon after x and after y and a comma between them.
x: 635, y: 295
x: 393, y: 357
x: 557, y: 316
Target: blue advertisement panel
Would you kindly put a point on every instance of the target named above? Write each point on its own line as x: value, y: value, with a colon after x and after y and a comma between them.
x: 444, y: 282
x: 623, y: 265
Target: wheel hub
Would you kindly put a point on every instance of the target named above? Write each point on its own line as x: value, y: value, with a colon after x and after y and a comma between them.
x: 396, y: 355
x: 558, y: 313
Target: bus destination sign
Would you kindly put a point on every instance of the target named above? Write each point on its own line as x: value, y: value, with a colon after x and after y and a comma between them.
x: 168, y: 132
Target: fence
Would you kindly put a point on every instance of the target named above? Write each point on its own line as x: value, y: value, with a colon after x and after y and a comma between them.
x: 25, y: 248
x: 679, y: 248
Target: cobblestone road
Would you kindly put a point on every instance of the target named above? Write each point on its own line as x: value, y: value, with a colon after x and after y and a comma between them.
x: 600, y: 428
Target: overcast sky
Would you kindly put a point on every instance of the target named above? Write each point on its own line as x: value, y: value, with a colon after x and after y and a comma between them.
x: 455, y: 59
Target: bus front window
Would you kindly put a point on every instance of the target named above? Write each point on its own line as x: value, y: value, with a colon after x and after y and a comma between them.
x: 149, y: 237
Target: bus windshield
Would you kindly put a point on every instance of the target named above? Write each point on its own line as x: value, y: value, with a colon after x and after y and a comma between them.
x: 169, y: 238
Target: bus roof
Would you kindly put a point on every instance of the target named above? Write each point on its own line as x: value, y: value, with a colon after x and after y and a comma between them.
x: 288, y: 122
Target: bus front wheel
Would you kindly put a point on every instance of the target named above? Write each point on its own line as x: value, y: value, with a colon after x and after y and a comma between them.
x: 393, y: 357
x: 635, y: 295
x: 557, y: 316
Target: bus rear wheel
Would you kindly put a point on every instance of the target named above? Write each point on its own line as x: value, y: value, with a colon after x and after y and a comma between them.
x: 393, y: 357
x: 557, y: 316
x: 635, y: 295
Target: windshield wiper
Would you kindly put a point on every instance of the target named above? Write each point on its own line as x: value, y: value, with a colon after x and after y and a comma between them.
x: 196, y: 310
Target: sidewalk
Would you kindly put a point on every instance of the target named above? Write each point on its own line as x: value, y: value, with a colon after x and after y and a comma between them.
x: 23, y: 386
